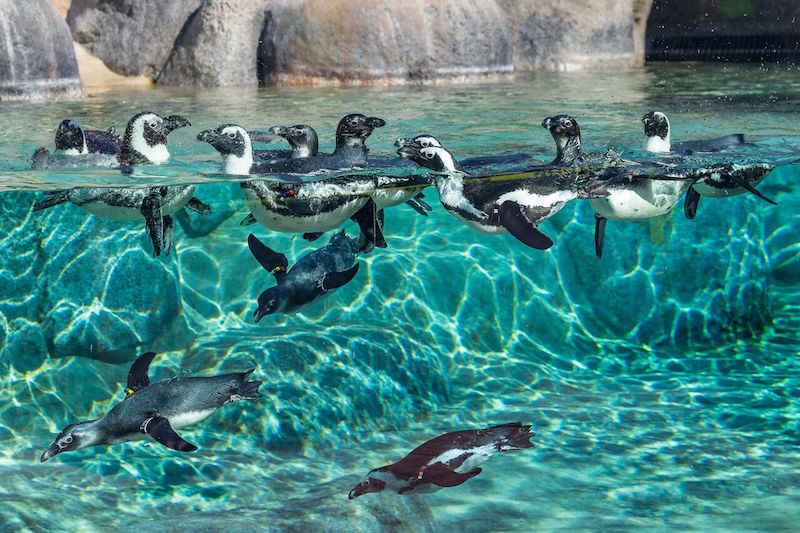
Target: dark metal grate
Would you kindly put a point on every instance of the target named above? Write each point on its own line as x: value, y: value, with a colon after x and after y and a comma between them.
x: 732, y: 48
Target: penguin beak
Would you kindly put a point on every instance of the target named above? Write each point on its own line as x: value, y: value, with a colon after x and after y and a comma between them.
x: 280, y: 131
x: 265, y: 137
x: 173, y: 122
x: 546, y: 123
x: 410, y: 150
x: 207, y: 136
x: 375, y: 122
x: 52, y: 451
x: 402, y: 141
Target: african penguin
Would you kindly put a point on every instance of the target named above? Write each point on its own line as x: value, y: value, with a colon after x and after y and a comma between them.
x: 144, y: 142
x: 156, y: 410
x: 77, y: 147
x: 307, y: 207
x: 508, y: 203
x: 445, y: 461
x: 658, y: 140
x: 314, y: 275
x: 303, y: 140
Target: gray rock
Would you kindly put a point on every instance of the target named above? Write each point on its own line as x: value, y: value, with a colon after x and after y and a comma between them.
x: 37, y: 60
x: 384, y: 40
x: 131, y: 37
x: 555, y: 35
x: 218, y: 45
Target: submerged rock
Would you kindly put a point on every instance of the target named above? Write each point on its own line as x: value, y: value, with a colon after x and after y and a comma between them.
x: 37, y: 61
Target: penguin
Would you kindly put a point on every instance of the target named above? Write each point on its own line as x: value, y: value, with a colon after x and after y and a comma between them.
x: 445, y: 461
x: 156, y: 410
x: 77, y: 148
x: 567, y: 136
x: 314, y: 275
x: 351, y: 150
x: 658, y: 140
x: 506, y: 203
x: 426, y: 140
x: 144, y: 142
x: 303, y: 140
x: 308, y: 207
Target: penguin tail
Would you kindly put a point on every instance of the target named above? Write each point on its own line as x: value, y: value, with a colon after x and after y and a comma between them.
x: 248, y: 390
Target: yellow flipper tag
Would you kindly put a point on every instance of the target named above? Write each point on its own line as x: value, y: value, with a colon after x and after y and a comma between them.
x: 129, y: 392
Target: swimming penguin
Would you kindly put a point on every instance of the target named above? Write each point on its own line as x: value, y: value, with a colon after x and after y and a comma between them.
x: 156, y: 409
x: 314, y: 275
x: 77, y: 147
x: 514, y: 206
x: 144, y: 142
x: 445, y: 461
x: 308, y: 207
x: 351, y: 150
x: 658, y: 140
x: 303, y: 140
x: 567, y: 136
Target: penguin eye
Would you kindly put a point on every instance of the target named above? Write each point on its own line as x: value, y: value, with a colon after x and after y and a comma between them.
x: 428, y: 155
x: 152, y: 124
x: 67, y: 439
x: 231, y: 135
x: 354, y: 123
x: 425, y: 144
x: 567, y: 123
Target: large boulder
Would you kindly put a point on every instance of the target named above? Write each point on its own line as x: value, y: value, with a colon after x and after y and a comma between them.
x: 37, y: 60
x: 130, y: 36
x: 555, y: 35
x: 384, y: 40
x: 218, y: 45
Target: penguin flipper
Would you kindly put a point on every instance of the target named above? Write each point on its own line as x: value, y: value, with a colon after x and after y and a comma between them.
x: 151, y: 210
x: 599, y: 234
x: 198, y: 207
x: 691, y: 203
x: 300, y: 208
x: 419, y: 205
x: 749, y: 188
x: 514, y: 220
x: 441, y: 475
x: 54, y: 199
x: 272, y: 261
x: 367, y: 220
x: 248, y: 220
x: 159, y: 428
x: 334, y: 280
x: 137, y: 375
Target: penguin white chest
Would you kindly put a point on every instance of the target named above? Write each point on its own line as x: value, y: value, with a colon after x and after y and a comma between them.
x: 188, y: 418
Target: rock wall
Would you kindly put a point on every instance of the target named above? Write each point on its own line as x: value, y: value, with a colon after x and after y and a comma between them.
x: 236, y: 42
x: 37, y: 61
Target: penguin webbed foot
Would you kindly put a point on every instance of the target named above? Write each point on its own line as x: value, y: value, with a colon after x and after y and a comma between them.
x: 514, y: 220
x: 154, y: 221
x: 419, y: 205
x: 160, y: 429
x: 312, y: 236
x: 752, y: 190
x: 367, y: 219
x: 198, y: 207
x: 169, y: 234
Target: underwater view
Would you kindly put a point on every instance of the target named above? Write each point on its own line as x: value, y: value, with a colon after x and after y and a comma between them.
x: 660, y: 380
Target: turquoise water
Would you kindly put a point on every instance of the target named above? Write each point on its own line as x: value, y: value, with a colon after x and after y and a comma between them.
x: 662, y: 381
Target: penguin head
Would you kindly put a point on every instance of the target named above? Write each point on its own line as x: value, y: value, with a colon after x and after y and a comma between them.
x: 233, y: 142
x: 434, y: 158
x: 147, y: 132
x: 656, y: 123
x: 370, y: 484
x: 269, y: 302
x: 562, y: 128
x: 357, y: 126
x: 424, y: 140
x: 70, y: 138
x: 303, y: 139
x: 73, y: 437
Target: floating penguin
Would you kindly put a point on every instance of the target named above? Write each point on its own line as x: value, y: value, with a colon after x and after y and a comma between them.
x: 314, y: 275
x: 658, y: 140
x: 445, y: 461
x: 144, y: 142
x: 303, y: 140
x: 567, y: 136
x: 77, y: 147
x: 310, y: 207
x: 156, y: 410
x: 504, y: 204
x: 351, y: 150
